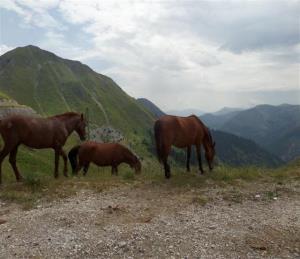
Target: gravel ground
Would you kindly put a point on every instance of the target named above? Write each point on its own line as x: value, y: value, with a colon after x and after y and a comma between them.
x: 155, y: 222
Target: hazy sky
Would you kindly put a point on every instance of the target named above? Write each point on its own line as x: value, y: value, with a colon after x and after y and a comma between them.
x: 179, y: 54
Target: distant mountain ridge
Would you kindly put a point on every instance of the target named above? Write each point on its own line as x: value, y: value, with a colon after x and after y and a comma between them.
x: 185, y: 112
x: 269, y: 126
x: 157, y: 112
x: 226, y: 110
x: 246, y: 152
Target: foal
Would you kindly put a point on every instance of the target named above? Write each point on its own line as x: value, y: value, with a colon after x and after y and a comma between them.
x: 102, y: 154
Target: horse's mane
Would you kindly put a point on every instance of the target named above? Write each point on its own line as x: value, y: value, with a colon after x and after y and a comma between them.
x: 66, y: 114
x: 206, y: 129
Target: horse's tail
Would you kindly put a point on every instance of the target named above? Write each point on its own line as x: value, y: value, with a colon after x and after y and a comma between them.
x: 73, y: 157
x: 157, y: 134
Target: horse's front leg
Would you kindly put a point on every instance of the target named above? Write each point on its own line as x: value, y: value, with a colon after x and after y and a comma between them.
x: 57, y: 153
x: 5, y: 151
x: 188, y: 158
x: 198, y: 149
x: 86, y: 168
x: 64, y: 156
x: 114, y: 169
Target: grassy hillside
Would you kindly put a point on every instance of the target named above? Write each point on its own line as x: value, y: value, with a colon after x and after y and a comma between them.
x: 50, y: 85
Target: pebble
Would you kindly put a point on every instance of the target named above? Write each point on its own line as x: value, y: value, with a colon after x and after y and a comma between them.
x: 122, y: 244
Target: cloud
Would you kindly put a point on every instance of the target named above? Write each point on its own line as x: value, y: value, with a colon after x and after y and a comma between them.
x: 4, y: 48
x: 188, y: 53
x: 34, y: 13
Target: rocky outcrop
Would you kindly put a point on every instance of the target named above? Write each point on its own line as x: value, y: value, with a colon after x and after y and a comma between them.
x: 105, y: 134
x: 8, y: 107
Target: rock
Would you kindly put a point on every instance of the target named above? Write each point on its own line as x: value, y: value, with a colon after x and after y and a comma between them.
x: 122, y: 244
x: 2, y: 221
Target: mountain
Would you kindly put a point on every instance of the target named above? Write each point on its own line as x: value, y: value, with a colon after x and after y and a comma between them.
x: 275, y: 128
x: 226, y: 110
x: 287, y: 146
x: 51, y: 85
x: 150, y: 106
x: 235, y: 150
x: 217, y: 120
x: 268, y: 125
x: 185, y: 112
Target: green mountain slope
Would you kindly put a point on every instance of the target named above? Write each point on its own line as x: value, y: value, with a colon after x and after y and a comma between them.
x: 50, y: 85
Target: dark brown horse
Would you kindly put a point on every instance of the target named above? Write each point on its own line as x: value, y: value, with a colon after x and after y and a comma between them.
x: 182, y: 132
x: 102, y: 154
x: 35, y: 132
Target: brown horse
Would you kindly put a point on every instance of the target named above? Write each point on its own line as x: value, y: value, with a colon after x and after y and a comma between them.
x: 182, y: 132
x: 102, y: 154
x: 35, y: 132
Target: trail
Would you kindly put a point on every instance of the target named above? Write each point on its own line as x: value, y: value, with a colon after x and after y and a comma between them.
x: 102, y: 109
x: 152, y: 222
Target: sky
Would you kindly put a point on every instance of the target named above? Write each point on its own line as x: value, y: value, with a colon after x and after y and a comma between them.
x: 179, y: 54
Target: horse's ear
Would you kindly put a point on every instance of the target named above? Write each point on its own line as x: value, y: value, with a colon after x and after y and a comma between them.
x: 82, y: 116
x: 214, y: 144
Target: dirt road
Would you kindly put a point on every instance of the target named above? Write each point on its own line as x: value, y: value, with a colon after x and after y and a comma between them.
x: 157, y: 222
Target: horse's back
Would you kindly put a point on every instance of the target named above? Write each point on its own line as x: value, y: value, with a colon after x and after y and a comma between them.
x: 31, y: 131
x: 179, y: 131
x: 101, y: 154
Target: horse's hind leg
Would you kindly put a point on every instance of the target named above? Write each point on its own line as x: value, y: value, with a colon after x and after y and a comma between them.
x: 64, y: 156
x: 167, y: 168
x: 86, y: 168
x: 13, y: 162
x: 57, y: 153
x: 188, y: 157
x: 5, y: 151
x: 198, y: 149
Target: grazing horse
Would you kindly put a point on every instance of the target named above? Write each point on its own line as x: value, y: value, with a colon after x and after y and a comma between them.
x: 102, y: 154
x: 35, y: 132
x: 182, y: 132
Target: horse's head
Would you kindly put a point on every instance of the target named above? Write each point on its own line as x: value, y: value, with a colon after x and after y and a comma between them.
x: 136, y: 164
x: 210, y: 154
x: 80, y: 127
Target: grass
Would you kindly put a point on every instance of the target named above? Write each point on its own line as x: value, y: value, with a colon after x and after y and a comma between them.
x: 39, y: 183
